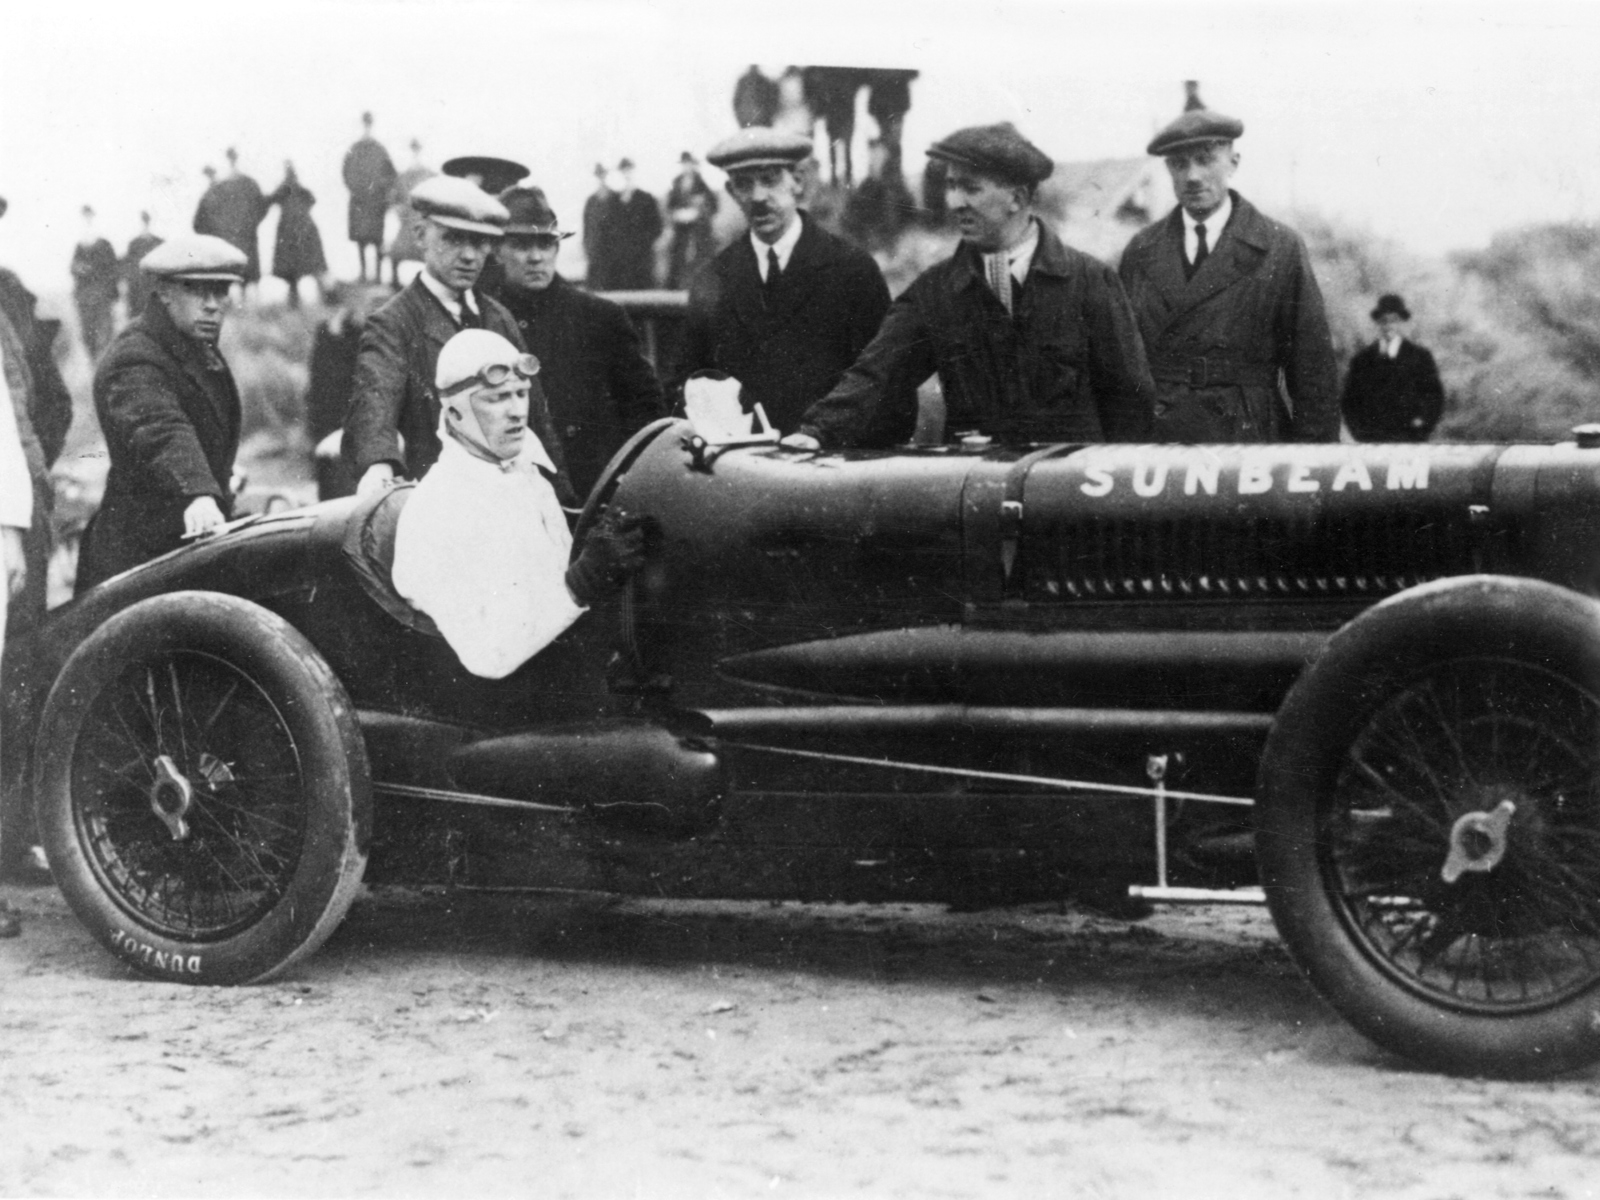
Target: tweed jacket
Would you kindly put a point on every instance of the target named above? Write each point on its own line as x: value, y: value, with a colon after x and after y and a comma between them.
x: 789, y: 348
x: 394, y: 397
x: 1240, y: 352
x: 170, y: 414
x: 1066, y: 365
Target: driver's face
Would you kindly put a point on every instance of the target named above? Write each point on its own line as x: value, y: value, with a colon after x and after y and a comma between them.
x: 502, y: 414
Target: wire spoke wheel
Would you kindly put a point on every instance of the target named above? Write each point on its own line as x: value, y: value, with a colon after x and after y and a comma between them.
x: 202, y: 789
x: 1428, y: 825
x: 1462, y: 740
x: 190, y: 730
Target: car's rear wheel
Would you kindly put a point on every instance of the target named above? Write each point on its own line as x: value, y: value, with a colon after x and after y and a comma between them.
x: 202, y: 789
x: 1429, y: 827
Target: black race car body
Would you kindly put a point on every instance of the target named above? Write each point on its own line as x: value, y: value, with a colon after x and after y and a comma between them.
x: 959, y: 673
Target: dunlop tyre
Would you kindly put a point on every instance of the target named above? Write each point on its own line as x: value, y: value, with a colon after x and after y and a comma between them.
x: 1491, y: 686
x: 205, y: 714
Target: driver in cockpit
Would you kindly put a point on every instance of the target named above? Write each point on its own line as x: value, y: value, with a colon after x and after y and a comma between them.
x: 482, y: 545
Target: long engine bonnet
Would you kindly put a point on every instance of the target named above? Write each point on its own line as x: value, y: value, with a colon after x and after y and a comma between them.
x: 801, y: 571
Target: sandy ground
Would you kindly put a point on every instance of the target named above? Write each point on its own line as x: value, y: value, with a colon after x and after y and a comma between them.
x: 556, y: 1046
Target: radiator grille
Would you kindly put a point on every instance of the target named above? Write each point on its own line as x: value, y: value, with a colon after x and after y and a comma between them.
x: 1349, y: 555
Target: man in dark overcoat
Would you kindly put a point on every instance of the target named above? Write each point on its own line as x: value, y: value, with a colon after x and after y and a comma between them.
x: 599, y: 214
x: 392, y: 426
x: 370, y: 175
x: 170, y: 413
x: 635, y: 226
x: 1393, y: 392
x: 1032, y: 340
x: 135, y: 281
x: 785, y: 309
x: 94, y: 286
x: 1230, y: 311
x: 599, y: 385
x: 238, y: 208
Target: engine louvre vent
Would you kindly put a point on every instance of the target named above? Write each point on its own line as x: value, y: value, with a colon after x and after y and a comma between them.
x: 1347, y: 555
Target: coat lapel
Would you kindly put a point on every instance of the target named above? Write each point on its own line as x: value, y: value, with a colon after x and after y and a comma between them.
x: 437, y: 323
x: 213, y: 392
x: 808, y: 260
x: 1241, y: 249
x: 741, y: 281
x: 1163, y: 267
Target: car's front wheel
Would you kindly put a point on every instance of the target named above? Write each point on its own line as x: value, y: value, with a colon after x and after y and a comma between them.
x: 1429, y: 826
x: 202, y: 789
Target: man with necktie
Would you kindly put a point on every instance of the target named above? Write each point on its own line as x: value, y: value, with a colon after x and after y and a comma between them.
x: 1230, y: 311
x: 1393, y: 392
x: 786, y: 308
x: 1032, y: 340
x: 457, y: 225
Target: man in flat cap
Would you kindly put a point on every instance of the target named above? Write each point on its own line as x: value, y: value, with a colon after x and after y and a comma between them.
x: 458, y: 225
x: 788, y: 307
x: 169, y: 410
x: 1393, y: 392
x: 1230, y: 311
x: 1032, y: 340
x: 599, y: 385
x: 481, y: 545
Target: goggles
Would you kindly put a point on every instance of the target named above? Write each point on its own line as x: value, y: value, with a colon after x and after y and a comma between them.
x: 494, y: 374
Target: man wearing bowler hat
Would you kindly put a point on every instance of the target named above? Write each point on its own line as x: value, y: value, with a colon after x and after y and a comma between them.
x: 1032, y: 341
x: 391, y: 428
x: 599, y: 385
x: 169, y: 410
x: 786, y: 308
x: 1393, y: 392
x: 1230, y: 311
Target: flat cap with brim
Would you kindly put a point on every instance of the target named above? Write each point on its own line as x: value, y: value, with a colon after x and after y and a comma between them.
x: 494, y: 175
x: 531, y: 213
x: 459, y: 204
x: 758, y: 146
x: 195, y: 256
x: 1197, y: 127
x: 996, y: 151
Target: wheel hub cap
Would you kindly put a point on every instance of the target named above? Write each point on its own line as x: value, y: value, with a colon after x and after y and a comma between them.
x: 170, y: 797
x: 1477, y: 841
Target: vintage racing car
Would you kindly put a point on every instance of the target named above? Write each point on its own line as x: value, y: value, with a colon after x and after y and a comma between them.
x: 966, y: 672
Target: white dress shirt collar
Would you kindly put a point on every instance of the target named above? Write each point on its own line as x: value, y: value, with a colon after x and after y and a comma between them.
x: 784, y: 246
x: 1020, y: 256
x: 448, y: 297
x: 1215, y: 224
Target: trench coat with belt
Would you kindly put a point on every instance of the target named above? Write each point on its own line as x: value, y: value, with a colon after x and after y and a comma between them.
x: 1241, y: 351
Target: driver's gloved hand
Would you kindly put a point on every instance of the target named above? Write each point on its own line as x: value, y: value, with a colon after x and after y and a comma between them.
x: 613, y: 550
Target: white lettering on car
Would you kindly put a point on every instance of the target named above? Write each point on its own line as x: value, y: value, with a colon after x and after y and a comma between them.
x: 1354, y: 471
x: 1300, y: 479
x: 161, y: 959
x: 1202, y: 475
x: 1097, y: 481
x: 1407, y: 473
x: 1256, y: 476
x: 1150, y: 479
